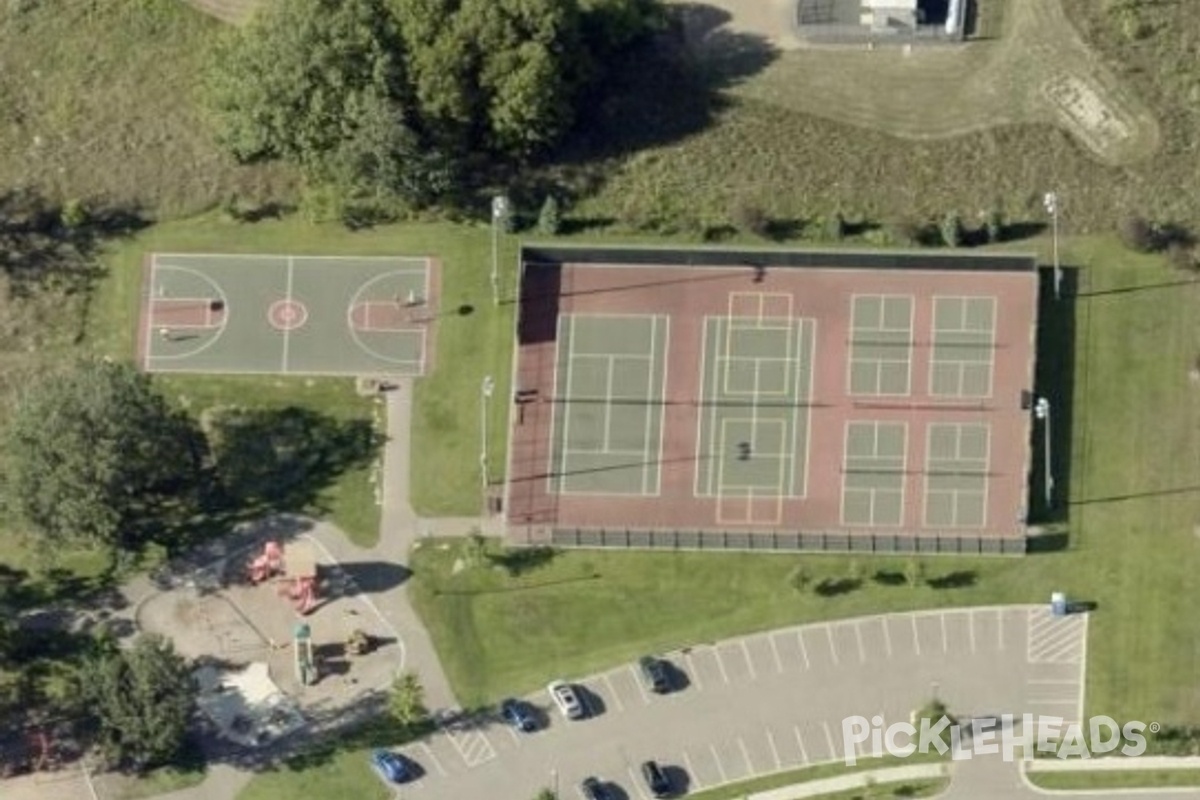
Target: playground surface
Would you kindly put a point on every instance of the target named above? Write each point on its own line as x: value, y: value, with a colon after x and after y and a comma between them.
x: 286, y: 314
x: 846, y: 398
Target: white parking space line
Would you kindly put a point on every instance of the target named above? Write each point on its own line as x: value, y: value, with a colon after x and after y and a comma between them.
x: 832, y: 646
x: 616, y: 698
x: 1071, y: 681
x: 746, y: 755
x: 803, y: 649
x: 887, y: 636
x: 636, y: 782
x: 749, y: 661
x: 971, y: 629
x: 775, y: 653
x: 916, y: 636
x: 833, y: 753
x: 430, y: 755
x: 774, y: 750
x: 721, y: 664
x: 693, y: 673
x: 800, y: 741
x: 862, y: 651
x: 945, y: 639
x: 717, y: 758
x: 515, y: 736
x: 1000, y: 628
x: 691, y: 768
x: 637, y: 681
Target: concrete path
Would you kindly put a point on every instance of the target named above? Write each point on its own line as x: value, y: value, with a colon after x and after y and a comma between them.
x: 855, y: 780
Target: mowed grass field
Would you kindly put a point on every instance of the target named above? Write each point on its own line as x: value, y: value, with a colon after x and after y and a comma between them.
x: 1135, y: 507
x: 1115, y: 779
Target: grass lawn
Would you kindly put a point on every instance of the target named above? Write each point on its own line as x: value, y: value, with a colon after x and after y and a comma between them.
x: 1115, y: 779
x: 924, y: 788
x: 737, y: 791
x: 1133, y: 449
x: 344, y: 773
x: 154, y: 783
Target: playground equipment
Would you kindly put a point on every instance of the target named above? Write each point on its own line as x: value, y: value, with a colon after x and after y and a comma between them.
x: 301, y: 570
x: 267, y: 564
x: 306, y: 665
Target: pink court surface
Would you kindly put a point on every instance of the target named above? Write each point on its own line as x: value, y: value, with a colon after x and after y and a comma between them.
x: 774, y: 400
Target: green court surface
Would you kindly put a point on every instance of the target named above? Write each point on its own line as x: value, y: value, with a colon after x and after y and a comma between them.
x: 304, y: 315
x: 753, y: 422
x: 873, y: 481
x: 881, y: 334
x: 610, y: 371
x: 956, y: 474
x: 963, y: 340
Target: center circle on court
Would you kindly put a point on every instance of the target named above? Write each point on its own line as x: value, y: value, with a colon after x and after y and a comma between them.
x: 287, y: 315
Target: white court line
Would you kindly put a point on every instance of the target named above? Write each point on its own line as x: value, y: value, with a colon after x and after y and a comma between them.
x: 832, y: 646
x: 430, y: 755
x: 650, y: 409
x: 609, y: 363
x: 694, y: 673
x: 833, y: 753
x: 662, y: 406
x: 613, y: 692
x: 720, y: 767
x: 775, y: 653
x: 800, y: 741
x: 716, y: 651
x: 774, y: 750
x: 945, y: 639
x: 862, y: 651
x: 803, y: 649
x: 746, y: 756
x: 916, y: 636
x: 566, y: 439
x: 887, y: 637
x: 749, y: 661
x: 287, y: 332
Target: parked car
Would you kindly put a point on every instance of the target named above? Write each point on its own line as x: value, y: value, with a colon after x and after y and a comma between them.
x: 656, y: 779
x: 654, y: 674
x: 593, y: 789
x: 567, y: 699
x: 390, y: 766
x: 518, y: 714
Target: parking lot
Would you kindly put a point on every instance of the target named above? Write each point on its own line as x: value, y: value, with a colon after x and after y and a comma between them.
x: 767, y: 702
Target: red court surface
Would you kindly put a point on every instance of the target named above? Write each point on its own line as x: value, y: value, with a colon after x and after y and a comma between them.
x: 858, y: 396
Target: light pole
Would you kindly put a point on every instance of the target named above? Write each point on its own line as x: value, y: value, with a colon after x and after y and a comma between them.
x: 1050, y: 201
x: 499, y: 212
x: 485, y: 393
x: 1042, y: 412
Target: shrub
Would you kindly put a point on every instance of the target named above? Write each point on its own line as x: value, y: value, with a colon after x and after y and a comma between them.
x: 1138, y: 234
x: 994, y: 226
x: 906, y: 231
x: 835, y: 227
x: 1181, y: 257
x: 74, y: 214
x: 751, y: 219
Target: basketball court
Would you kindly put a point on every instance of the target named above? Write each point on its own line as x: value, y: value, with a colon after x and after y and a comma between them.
x: 284, y: 314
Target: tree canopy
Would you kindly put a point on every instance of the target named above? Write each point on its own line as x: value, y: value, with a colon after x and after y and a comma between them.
x: 88, y: 447
x: 393, y: 97
x: 142, y: 698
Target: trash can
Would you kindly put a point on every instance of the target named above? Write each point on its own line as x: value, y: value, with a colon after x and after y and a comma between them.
x: 1058, y: 604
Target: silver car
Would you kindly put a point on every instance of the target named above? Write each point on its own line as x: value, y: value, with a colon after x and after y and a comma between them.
x: 567, y: 699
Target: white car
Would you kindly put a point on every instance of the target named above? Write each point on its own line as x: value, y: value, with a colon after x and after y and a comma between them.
x: 567, y: 699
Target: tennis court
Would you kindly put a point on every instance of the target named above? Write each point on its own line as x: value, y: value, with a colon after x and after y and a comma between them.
x: 287, y: 314
x: 609, y: 404
x: 756, y: 385
x: 793, y: 400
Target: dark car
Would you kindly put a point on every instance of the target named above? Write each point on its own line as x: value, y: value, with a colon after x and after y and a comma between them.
x: 656, y: 779
x: 654, y: 674
x: 593, y: 789
x: 390, y: 766
x: 518, y: 715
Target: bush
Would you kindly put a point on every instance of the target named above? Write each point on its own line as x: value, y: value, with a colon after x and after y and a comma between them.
x: 74, y: 214
x: 907, y: 231
x: 1181, y: 257
x: 799, y: 578
x: 751, y: 219
x: 835, y: 227
x: 1139, y: 234
x: 994, y: 226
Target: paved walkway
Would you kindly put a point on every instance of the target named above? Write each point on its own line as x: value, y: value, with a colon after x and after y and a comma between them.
x: 854, y: 780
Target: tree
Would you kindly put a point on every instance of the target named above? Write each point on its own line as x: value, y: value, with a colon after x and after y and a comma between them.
x: 994, y: 226
x: 952, y: 230
x: 914, y: 572
x: 142, y: 698
x: 406, y: 700
x: 750, y: 218
x: 1137, y: 233
x: 90, y: 447
x: 835, y: 227
x: 549, y: 219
